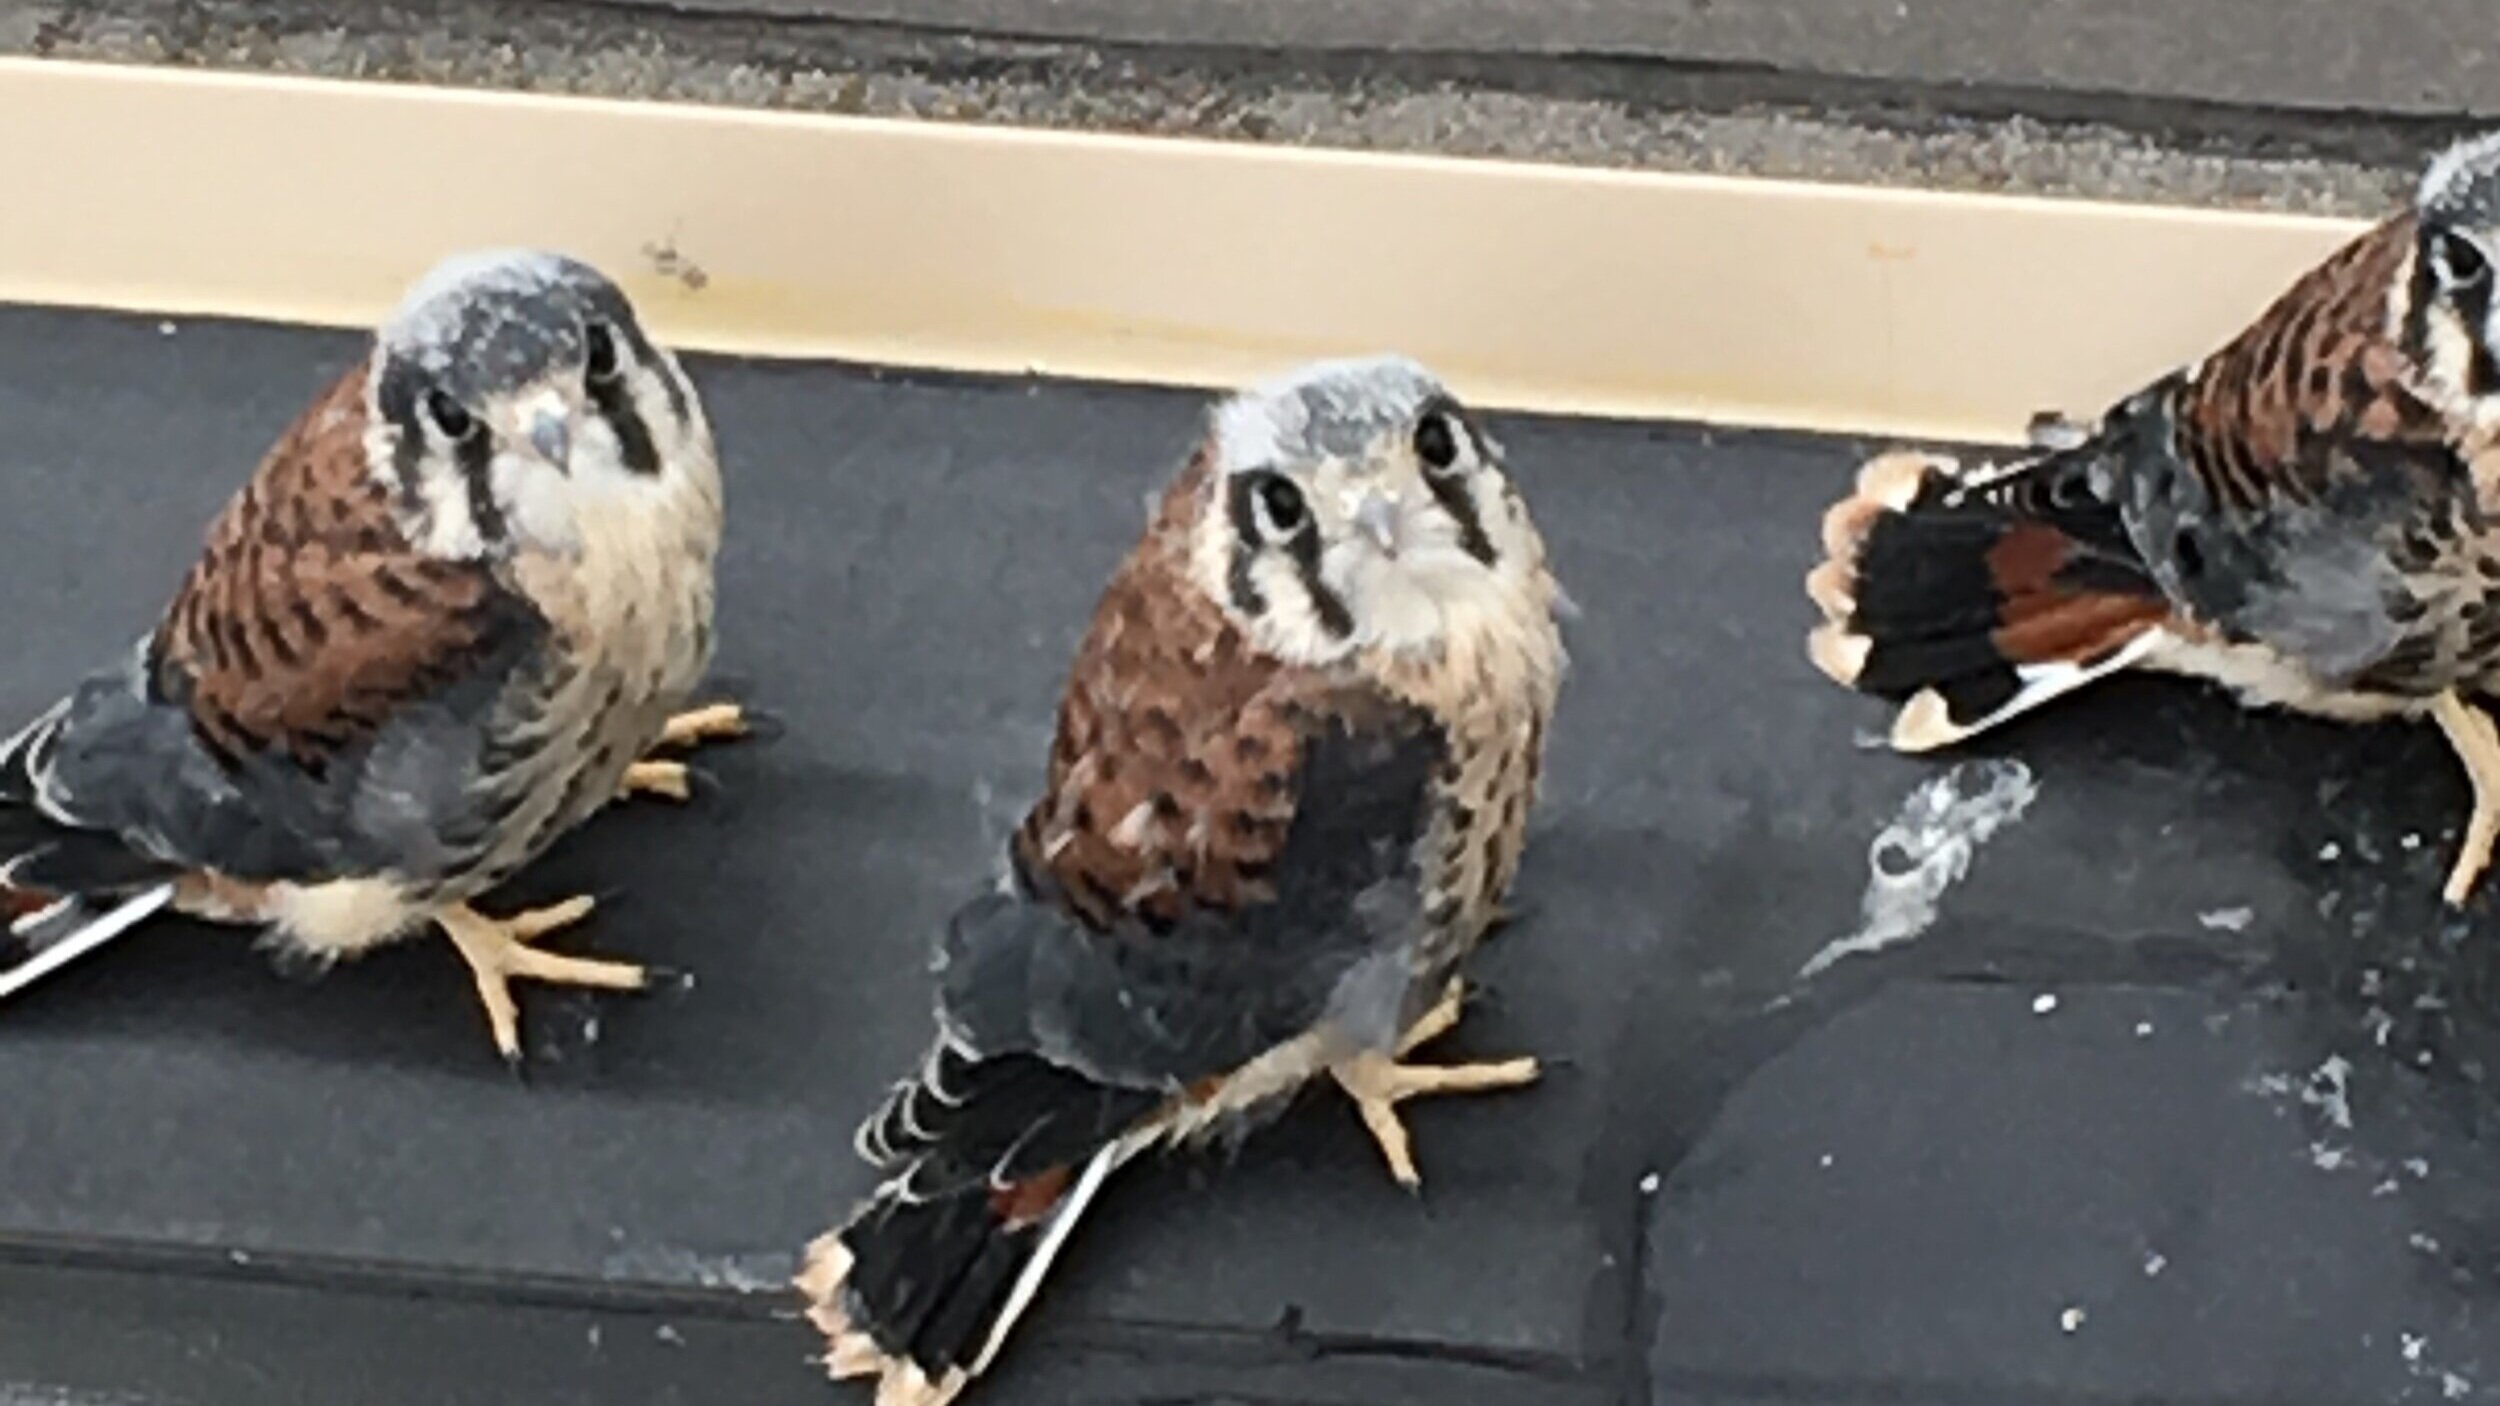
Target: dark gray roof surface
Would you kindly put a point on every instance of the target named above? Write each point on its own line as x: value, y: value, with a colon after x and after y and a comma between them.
x: 1904, y: 1179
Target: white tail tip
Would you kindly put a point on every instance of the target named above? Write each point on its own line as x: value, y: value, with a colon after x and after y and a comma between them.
x: 56, y: 955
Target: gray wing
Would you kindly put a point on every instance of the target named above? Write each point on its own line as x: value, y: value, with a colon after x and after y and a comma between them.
x: 121, y: 783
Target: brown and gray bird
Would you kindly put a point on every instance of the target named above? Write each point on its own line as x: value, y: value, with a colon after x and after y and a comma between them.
x: 2306, y: 516
x: 1289, y: 789
x: 442, y: 624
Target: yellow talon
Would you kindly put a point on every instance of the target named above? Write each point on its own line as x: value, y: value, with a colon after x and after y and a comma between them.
x: 1378, y: 1083
x: 715, y: 722
x: 498, y: 953
x: 658, y: 778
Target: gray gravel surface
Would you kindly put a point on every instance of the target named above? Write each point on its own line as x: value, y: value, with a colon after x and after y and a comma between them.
x: 2006, y: 129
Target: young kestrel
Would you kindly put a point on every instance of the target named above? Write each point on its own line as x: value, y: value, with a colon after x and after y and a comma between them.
x: 2304, y: 516
x: 440, y: 626
x: 1288, y: 792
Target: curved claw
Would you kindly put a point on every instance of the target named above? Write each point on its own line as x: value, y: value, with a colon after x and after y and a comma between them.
x: 764, y: 726
x: 666, y: 981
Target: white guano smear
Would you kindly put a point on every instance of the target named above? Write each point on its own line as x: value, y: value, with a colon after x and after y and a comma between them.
x: 1927, y: 849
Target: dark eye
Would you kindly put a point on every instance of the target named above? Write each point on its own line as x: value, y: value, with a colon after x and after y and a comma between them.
x: 452, y: 418
x: 602, y: 358
x: 2462, y: 260
x: 1280, y: 505
x: 1436, y: 443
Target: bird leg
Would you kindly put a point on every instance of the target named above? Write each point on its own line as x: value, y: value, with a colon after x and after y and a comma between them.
x: 498, y: 952
x: 1378, y: 1083
x: 2477, y: 745
x: 1437, y: 1022
x: 662, y: 777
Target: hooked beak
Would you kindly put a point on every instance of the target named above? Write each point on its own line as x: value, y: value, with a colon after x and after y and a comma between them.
x: 551, y: 434
x: 1377, y: 518
x: 545, y: 419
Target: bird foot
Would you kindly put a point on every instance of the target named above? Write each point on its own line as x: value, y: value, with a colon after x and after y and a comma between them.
x: 2471, y: 732
x: 498, y: 953
x: 716, y: 722
x: 1378, y: 1083
x: 670, y: 780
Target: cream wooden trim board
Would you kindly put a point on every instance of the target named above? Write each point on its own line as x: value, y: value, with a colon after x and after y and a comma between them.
x: 984, y: 248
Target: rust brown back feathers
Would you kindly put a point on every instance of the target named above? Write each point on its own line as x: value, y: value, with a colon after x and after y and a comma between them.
x: 309, y: 617
x: 1171, y: 782
x: 2317, y: 366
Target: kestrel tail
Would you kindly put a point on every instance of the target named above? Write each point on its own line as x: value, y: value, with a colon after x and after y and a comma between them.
x: 1288, y: 791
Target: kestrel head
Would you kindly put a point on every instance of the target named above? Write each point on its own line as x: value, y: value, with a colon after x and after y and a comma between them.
x: 2450, y: 317
x: 511, y: 386
x: 1358, y: 506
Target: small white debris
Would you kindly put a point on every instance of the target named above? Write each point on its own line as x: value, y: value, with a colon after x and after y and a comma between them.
x: 2329, y: 1091
x: 2144, y: 1030
x: 2071, y: 1319
x: 594, y: 1335
x: 238, y: 1257
x: 759, y: 1273
x: 2411, y: 840
x: 2385, y: 1188
x: 1827, y: 1159
x: 2043, y: 1003
x: 2154, y: 1264
x: 2227, y: 919
x: 2413, y: 1344
x: 2428, y: 1245
x: 2327, y: 1159
x: 166, y: 329
x: 1649, y: 1184
x: 2420, y: 1167
x: 2330, y: 851
x: 2454, y: 1387
x: 667, y: 1334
